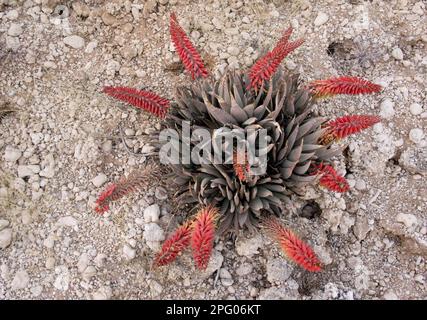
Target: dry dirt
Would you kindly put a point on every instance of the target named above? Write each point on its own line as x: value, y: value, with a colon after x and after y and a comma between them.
x: 65, y: 132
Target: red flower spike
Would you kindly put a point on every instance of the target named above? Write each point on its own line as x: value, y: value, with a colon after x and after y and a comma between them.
x: 347, y: 125
x: 120, y: 189
x: 241, y: 167
x: 293, y: 247
x: 202, y: 237
x: 267, y: 65
x: 173, y: 246
x: 285, y: 37
x: 190, y: 57
x: 330, y: 179
x: 145, y: 100
x: 343, y: 85
x: 103, y: 200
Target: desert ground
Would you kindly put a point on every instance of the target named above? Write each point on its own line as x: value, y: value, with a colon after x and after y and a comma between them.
x: 65, y: 141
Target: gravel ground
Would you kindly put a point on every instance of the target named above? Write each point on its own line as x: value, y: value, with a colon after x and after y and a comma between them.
x: 63, y: 145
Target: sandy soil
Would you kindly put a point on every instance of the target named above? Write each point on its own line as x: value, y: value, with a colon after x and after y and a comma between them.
x: 63, y: 144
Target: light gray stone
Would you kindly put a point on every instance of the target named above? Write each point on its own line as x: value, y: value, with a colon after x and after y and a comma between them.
x: 103, y: 293
x: 74, y: 41
x: 321, y: 19
x: 20, y: 281
x: 3, y: 224
x: 415, y: 109
x: 128, y: 252
x: 397, y: 53
x: 416, y: 135
x: 387, y: 108
x: 5, y: 238
x: 248, y: 246
x: 152, y: 213
x: 407, y: 219
x: 15, y: 30
x: 278, y: 270
x: 152, y: 232
x: 99, y: 180
x: 11, y: 154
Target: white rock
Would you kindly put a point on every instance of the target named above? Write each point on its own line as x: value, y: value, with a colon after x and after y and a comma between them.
x: 62, y: 281
x: 224, y: 274
x: 3, y: 224
x: 387, y: 108
x: 50, y: 263
x: 20, y: 281
x: 390, y: 295
x: 103, y: 293
x: 36, y: 290
x: 99, y: 180
x: 155, y: 287
x: 152, y: 213
x: 418, y: 8
x: 407, y: 219
x: 67, y: 221
x: 397, y: 53
x: 248, y: 246
x: 5, y: 238
x: 360, y: 185
x: 26, y: 217
x: 128, y: 252
x: 99, y: 260
x: 4, y: 271
x: 89, y: 273
x: 361, y: 227
x: 416, y: 135
x: 28, y: 170
x: 12, y: 43
x: 321, y: 18
x: 48, y: 172
x: 74, y: 41
x: 49, y: 242
x: 215, y: 262
x: 231, y: 31
x: 234, y: 51
x: 12, y: 15
x: 107, y: 146
x: 91, y: 46
x: 36, y: 137
x: 278, y: 270
x: 155, y: 246
x: 83, y: 262
x: 415, y: 109
x: 152, y: 232
x: 244, y: 269
x: 15, y: 30
x: 11, y: 154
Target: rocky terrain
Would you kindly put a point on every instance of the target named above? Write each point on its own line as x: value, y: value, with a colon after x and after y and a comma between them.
x: 64, y: 144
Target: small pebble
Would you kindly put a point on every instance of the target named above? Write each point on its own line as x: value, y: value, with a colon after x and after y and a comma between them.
x: 415, y: 109
x: 99, y: 180
x: 74, y: 41
x: 397, y: 54
x: 387, y: 108
x: 321, y: 19
x: 152, y: 213
x: 12, y: 154
x: 416, y: 135
x: 129, y: 253
x: 15, y: 30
